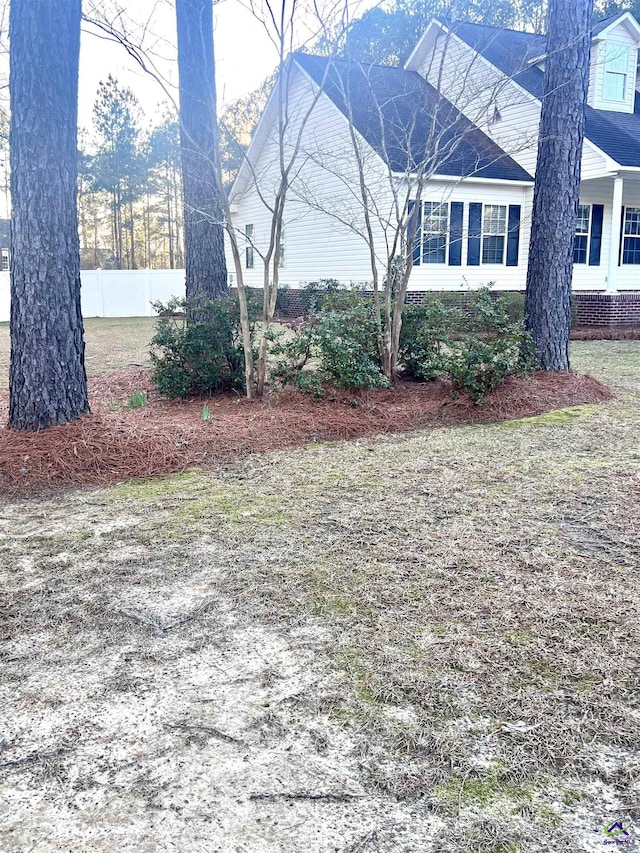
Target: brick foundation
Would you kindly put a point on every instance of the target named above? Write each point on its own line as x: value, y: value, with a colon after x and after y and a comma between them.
x: 591, y: 309
x: 608, y: 309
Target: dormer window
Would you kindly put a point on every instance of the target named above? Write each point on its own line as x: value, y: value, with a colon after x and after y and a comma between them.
x: 616, y: 68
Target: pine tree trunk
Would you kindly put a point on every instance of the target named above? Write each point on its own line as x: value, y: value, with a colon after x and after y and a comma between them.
x: 206, y: 270
x: 47, y: 382
x: 557, y: 185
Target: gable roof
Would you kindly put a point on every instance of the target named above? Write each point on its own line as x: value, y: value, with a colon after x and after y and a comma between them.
x: 615, y: 133
x: 405, y: 121
x: 605, y: 23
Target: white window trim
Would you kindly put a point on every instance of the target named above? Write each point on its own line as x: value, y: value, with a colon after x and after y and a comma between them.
x: 249, y: 240
x: 624, y: 234
x: 588, y: 234
x: 505, y: 234
x: 616, y: 73
x: 447, y: 236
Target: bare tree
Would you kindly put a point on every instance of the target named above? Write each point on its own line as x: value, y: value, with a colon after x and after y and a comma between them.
x: 557, y: 187
x: 289, y: 113
x: 402, y: 133
x: 47, y: 383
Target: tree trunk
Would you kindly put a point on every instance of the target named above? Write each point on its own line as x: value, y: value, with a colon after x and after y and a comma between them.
x: 47, y: 383
x: 206, y: 270
x: 132, y: 237
x: 557, y: 186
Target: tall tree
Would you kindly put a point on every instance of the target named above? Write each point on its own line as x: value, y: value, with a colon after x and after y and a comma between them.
x: 47, y: 381
x: 118, y: 167
x: 164, y: 159
x: 557, y: 184
x: 206, y: 269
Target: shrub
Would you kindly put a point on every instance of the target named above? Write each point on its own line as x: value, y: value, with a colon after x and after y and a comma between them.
x: 347, y: 343
x: 292, y: 355
x: 314, y: 294
x: 490, y: 348
x: 424, y: 336
x: 344, y: 338
x: 202, y: 357
x: 513, y: 304
x: 476, y: 347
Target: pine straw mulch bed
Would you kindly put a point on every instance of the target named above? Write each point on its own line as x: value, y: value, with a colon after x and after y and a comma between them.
x: 606, y: 333
x: 116, y: 443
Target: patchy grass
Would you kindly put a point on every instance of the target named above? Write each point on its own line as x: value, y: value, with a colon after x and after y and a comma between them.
x: 111, y: 344
x: 417, y: 643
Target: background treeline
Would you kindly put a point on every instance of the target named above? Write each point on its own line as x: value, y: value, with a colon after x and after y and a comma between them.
x: 130, y: 199
x: 130, y: 203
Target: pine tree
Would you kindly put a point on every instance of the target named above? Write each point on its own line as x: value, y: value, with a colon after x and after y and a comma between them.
x: 557, y: 184
x: 47, y: 381
x: 118, y: 167
x: 206, y: 270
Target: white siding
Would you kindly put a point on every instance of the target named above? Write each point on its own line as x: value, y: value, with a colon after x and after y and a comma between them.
x: 477, y: 88
x: 444, y: 277
x: 323, y: 216
x: 619, y: 37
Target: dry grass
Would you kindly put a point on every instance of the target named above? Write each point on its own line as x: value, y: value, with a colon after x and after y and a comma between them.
x: 111, y: 344
x: 418, y: 643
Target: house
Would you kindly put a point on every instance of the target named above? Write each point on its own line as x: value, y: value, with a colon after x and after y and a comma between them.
x: 463, y: 113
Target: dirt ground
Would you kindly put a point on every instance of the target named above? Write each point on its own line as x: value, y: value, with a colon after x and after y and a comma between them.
x: 416, y: 643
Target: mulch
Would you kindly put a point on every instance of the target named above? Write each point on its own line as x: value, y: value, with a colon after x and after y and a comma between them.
x: 116, y: 443
x: 606, y: 333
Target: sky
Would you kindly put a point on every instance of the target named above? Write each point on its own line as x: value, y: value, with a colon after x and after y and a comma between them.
x: 245, y: 55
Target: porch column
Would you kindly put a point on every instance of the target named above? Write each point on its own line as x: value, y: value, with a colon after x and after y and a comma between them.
x: 614, y: 241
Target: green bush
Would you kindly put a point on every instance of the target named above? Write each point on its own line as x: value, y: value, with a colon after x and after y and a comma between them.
x: 476, y: 347
x: 344, y: 339
x: 203, y: 357
x: 291, y: 355
x: 314, y: 294
x: 424, y: 336
x: 513, y: 304
x: 347, y: 343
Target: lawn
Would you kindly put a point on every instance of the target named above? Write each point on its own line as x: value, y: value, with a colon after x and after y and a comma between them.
x: 111, y: 343
x: 416, y: 643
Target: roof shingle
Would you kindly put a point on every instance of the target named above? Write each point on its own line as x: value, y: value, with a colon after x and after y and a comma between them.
x: 615, y: 133
x: 405, y: 121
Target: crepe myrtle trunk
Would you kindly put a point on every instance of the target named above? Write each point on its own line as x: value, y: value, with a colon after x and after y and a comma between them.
x: 206, y: 269
x: 47, y: 379
x: 557, y: 184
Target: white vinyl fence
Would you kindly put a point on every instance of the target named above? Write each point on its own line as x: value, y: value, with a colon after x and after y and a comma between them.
x: 115, y: 293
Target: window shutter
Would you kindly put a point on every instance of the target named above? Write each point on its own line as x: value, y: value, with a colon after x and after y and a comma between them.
x: 475, y: 234
x: 595, y: 241
x: 621, y: 249
x: 513, y: 235
x: 416, y: 240
x: 455, y: 234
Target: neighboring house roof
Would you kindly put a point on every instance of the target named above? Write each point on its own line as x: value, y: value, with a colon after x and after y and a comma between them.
x: 615, y: 133
x: 405, y: 121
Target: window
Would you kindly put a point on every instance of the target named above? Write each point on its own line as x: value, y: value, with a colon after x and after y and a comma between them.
x: 248, y: 258
x: 616, y: 67
x: 631, y: 233
x: 494, y: 230
x: 581, y: 240
x: 435, y: 231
